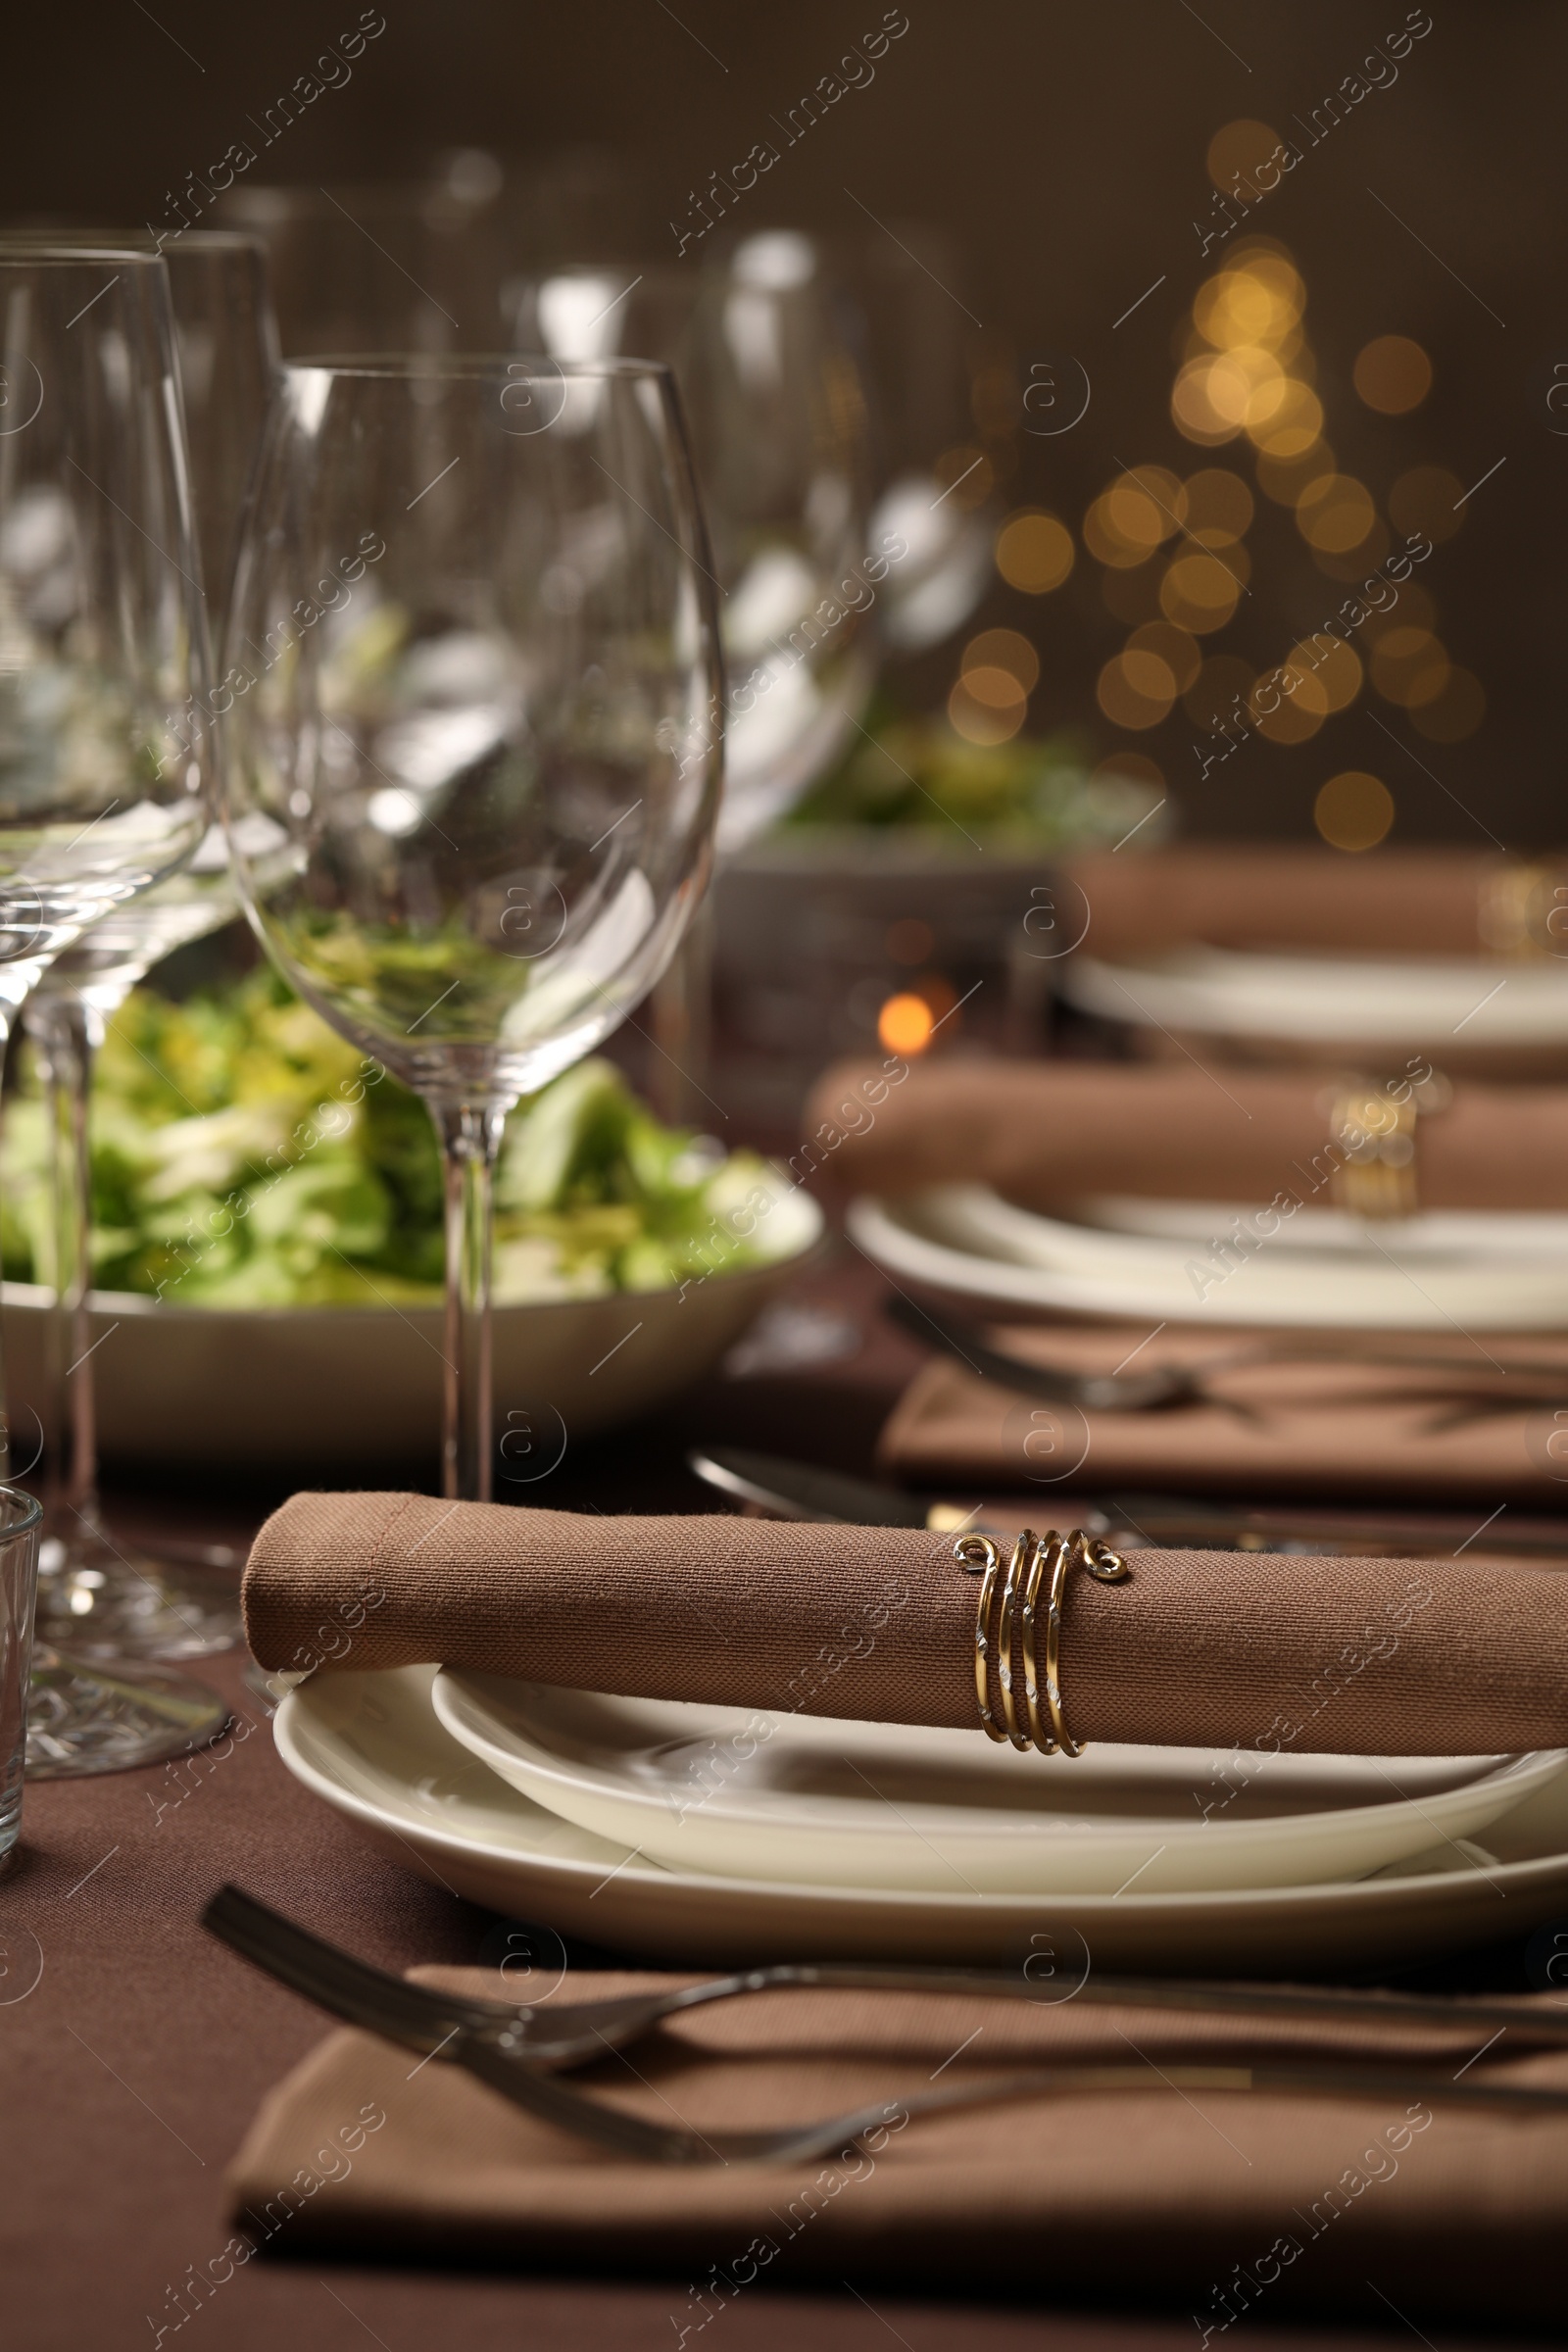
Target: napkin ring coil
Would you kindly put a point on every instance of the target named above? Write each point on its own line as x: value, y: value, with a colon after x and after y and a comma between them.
x: 1007, y: 1624
x: 1373, y: 1137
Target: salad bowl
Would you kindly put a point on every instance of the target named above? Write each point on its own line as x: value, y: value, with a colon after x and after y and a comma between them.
x: 267, y: 1248
x: 362, y: 1385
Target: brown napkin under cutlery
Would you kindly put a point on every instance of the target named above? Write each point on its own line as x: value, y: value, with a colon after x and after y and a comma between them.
x: 1477, y: 1424
x: 1046, y: 1132
x: 1415, y: 1657
x: 1223, y: 2202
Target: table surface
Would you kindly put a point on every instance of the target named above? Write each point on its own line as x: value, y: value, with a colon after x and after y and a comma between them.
x: 135, y: 2049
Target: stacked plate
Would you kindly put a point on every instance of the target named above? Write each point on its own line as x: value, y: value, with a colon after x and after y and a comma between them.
x: 1476, y: 1269
x: 1270, y: 1006
x: 716, y: 1835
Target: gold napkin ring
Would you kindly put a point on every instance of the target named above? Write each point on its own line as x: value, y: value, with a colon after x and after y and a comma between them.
x: 1522, y: 909
x: 1005, y: 1627
x: 1373, y: 1136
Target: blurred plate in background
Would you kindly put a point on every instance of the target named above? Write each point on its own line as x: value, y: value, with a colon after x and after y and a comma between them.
x: 1462, y: 1010
x: 1479, y: 1270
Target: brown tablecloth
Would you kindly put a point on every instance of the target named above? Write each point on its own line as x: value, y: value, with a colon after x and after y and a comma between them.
x: 132, y: 2066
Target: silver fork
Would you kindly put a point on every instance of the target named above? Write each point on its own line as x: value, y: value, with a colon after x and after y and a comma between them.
x: 487, y: 2040
x: 1154, y: 1387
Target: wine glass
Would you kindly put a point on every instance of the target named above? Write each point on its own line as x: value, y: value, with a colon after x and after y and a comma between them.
x: 98, y: 1593
x: 104, y: 765
x: 484, y: 706
x: 764, y: 356
x: 410, y: 265
x: 920, y: 359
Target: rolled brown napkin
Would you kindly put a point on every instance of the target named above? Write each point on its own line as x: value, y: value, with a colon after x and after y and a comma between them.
x: 1046, y: 1132
x: 1432, y: 902
x: 1195, y: 1649
x: 1222, y: 2202
x: 1291, y: 1426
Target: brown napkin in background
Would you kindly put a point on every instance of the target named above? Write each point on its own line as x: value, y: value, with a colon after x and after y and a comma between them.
x: 1046, y: 1132
x: 1295, y: 1427
x: 1234, y: 895
x: 1197, y: 1649
x: 1136, y: 2193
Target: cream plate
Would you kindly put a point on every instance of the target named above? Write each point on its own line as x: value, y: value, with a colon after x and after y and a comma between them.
x: 1394, y: 1002
x: 1477, y: 1271
x: 835, y: 1804
x: 369, y: 1745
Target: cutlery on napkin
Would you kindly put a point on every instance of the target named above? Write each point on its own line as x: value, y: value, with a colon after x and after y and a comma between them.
x: 1166, y: 2190
x: 1462, y: 1422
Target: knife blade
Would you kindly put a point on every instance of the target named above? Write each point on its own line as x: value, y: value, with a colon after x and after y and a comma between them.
x: 790, y: 1490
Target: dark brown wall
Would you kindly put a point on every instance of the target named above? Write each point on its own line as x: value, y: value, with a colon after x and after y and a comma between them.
x: 1066, y: 145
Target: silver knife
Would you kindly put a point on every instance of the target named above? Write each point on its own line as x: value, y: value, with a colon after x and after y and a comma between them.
x: 787, y: 1489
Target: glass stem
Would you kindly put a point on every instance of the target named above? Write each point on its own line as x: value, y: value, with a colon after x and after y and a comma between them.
x: 69, y: 1033
x: 681, y: 1012
x: 470, y: 1140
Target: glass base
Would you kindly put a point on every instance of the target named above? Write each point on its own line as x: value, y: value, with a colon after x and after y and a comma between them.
x: 103, y: 1599
x: 87, y: 1717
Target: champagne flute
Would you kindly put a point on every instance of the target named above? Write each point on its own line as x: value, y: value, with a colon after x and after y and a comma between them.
x: 477, y: 601
x: 104, y: 768
x: 98, y: 1593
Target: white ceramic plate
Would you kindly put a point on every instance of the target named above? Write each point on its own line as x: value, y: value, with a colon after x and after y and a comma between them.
x: 369, y: 1745
x: 336, y: 1384
x: 1392, y: 1001
x: 829, y: 1802
x: 1479, y: 1272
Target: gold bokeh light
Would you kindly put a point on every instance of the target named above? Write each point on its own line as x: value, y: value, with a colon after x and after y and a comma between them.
x: 1392, y: 375
x: 1409, y: 667
x: 1354, y: 811
x: 1330, y: 666
x: 1035, y: 551
x: 1286, y: 420
x: 1200, y: 592
x: 1127, y: 522
x: 1181, y: 653
x: 987, y: 705
x: 1237, y: 150
x: 1335, y: 513
x: 1005, y: 649
x: 1136, y: 689
x: 1257, y: 300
